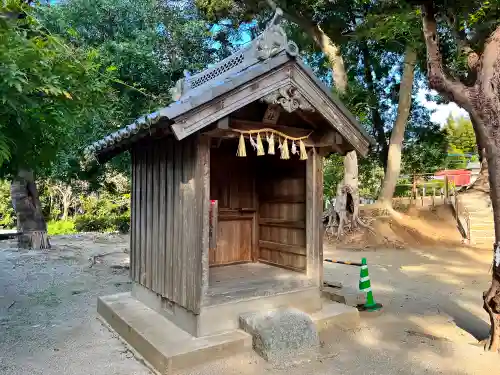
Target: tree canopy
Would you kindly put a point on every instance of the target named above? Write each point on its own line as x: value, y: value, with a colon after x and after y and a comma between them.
x: 50, y: 90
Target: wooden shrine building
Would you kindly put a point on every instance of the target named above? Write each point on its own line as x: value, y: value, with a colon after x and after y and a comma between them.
x: 227, y: 187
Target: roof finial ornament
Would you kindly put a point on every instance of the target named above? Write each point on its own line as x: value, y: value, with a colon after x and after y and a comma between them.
x: 273, y: 40
x: 177, y: 91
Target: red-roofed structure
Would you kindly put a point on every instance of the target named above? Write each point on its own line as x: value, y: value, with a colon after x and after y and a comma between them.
x: 461, y: 177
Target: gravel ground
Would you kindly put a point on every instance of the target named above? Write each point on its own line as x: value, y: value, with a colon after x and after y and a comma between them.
x: 430, y: 324
x: 48, y: 302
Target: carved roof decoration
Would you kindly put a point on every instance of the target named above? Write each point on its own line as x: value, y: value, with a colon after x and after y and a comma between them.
x: 267, y: 53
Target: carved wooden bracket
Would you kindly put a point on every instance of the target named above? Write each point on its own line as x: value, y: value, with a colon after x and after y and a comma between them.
x: 289, y: 98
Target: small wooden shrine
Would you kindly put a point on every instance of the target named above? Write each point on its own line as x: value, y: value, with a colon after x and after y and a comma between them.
x: 227, y: 187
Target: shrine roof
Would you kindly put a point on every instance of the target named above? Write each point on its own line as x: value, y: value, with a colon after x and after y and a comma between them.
x: 265, y: 54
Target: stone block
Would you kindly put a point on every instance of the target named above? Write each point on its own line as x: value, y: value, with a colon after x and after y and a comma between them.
x: 282, y: 335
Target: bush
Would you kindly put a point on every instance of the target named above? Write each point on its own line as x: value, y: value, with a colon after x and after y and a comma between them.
x: 89, y: 223
x: 55, y: 228
x: 122, y: 223
x: 112, y: 223
x: 7, y: 214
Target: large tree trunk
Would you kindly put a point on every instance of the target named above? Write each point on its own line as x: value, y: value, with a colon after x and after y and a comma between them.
x: 347, y: 200
x: 66, y: 193
x: 395, y: 144
x: 323, y: 41
x: 332, y: 51
x: 481, y: 100
x: 482, y: 182
x: 30, y: 220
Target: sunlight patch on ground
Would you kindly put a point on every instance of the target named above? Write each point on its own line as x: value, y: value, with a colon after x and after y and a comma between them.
x: 415, y: 269
x: 462, y: 270
x: 426, y: 255
x: 480, y: 257
x: 435, y: 271
x: 374, y: 338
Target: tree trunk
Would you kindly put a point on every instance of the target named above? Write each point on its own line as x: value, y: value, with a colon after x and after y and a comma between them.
x: 30, y: 220
x: 395, y: 144
x: 482, y: 182
x: 347, y: 200
x: 66, y: 198
x: 323, y: 41
x: 481, y: 101
x: 65, y: 209
x: 332, y: 51
x: 491, y: 298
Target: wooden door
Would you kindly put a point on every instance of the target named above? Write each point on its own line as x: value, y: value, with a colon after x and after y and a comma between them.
x: 232, y: 184
x: 234, y: 238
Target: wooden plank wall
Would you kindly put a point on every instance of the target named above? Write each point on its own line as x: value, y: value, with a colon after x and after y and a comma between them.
x: 169, y: 195
x: 282, y: 212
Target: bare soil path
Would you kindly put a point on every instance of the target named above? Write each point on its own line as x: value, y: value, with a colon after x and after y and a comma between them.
x: 48, y: 301
x: 431, y: 319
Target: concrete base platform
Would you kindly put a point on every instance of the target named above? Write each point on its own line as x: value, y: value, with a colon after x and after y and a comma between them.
x: 160, y: 342
x: 334, y: 314
x: 224, y: 317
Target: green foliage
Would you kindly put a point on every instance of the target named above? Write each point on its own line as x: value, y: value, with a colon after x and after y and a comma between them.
x: 7, y: 214
x: 425, y: 146
x: 55, y: 228
x: 145, y: 45
x: 110, y: 223
x: 333, y: 172
x: 122, y: 222
x: 370, y: 176
x: 49, y: 89
x: 90, y: 223
x: 456, y: 158
x: 460, y: 135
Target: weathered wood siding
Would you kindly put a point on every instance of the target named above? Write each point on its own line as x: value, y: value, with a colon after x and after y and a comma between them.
x: 169, y: 212
x: 281, y: 186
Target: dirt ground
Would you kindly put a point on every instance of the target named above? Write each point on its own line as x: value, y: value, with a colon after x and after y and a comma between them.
x: 430, y: 324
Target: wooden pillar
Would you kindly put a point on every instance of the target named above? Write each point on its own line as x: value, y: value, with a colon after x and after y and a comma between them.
x: 314, y: 227
x: 204, y: 191
x: 446, y: 189
x: 414, y: 189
